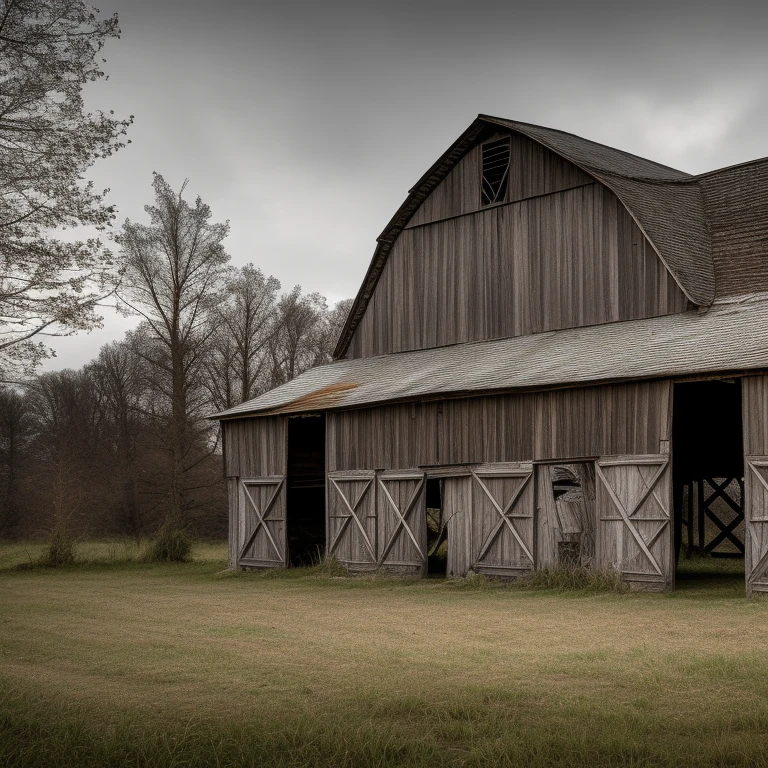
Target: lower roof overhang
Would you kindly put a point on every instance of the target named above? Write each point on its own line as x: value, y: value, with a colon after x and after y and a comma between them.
x: 730, y: 337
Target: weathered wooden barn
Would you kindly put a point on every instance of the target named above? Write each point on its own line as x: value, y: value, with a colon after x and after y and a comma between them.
x: 560, y: 346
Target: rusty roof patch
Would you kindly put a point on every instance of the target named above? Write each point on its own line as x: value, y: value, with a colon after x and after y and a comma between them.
x: 325, y: 397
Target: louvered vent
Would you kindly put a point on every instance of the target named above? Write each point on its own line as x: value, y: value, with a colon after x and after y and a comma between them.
x: 496, y: 157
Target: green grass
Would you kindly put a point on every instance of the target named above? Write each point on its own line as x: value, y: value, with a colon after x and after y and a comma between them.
x: 115, y: 662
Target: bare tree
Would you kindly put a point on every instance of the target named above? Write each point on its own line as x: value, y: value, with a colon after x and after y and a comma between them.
x: 49, y: 49
x: 174, y: 269
x: 297, y: 342
x: 117, y: 377
x: 334, y: 325
x: 243, y: 326
x: 15, y: 428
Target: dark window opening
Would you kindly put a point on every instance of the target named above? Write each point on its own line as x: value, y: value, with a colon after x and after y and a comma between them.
x: 306, y: 490
x: 437, y: 532
x: 566, y: 484
x: 495, y: 178
x: 708, y: 480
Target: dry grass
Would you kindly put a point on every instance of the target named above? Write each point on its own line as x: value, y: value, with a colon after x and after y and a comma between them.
x: 181, y: 665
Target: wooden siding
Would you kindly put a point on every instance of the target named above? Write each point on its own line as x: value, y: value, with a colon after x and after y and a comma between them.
x: 533, y: 171
x: 568, y: 259
x: 754, y: 395
x: 560, y: 424
x: 254, y: 447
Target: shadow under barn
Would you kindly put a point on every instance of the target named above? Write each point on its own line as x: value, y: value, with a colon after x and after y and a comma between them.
x: 305, y: 502
x: 708, y: 481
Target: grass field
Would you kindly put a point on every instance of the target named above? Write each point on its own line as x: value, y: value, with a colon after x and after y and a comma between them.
x: 116, y: 663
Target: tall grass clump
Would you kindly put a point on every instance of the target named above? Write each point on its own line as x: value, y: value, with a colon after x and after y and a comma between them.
x: 59, y: 552
x: 171, y: 544
x: 573, y: 578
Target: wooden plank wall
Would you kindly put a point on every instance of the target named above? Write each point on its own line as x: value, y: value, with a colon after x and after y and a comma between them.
x: 255, y: 447
x: 563, y: 260
x: 754, y: 395
x: 534, y: 171
x: 561, y: 424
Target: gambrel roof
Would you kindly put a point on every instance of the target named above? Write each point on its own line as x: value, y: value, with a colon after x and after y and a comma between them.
x: 729, y: 337
x: 667, y: 204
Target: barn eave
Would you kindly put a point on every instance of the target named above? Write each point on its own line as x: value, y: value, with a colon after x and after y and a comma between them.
x: 730, y: 337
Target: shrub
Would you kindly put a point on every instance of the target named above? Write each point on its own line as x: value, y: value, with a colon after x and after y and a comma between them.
x: 171, y: 544
x: 60, y: 551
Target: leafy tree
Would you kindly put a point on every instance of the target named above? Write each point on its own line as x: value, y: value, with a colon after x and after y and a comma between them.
x: 174, y: 269
x: 49, y: 50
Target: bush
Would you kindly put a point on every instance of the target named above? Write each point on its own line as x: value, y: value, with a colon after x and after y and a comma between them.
x: 171, y: 544
x: 60, y: 551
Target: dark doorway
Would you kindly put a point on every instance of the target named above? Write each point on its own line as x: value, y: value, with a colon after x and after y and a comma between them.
x: 708, y: 479
x: 306, y: 489
x: 437, y: 532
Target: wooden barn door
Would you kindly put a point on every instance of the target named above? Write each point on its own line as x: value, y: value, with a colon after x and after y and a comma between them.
x: 634, y: 527
x: 262, y: 529
x: 503, y: 524
x: 352, y: 519
x: 756, y: 517
x: 402, y: 522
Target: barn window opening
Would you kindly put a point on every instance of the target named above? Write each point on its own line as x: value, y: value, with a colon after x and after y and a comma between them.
x: 437, y: 533
x: 305, y: 501
x: 708, y: 482
x: 495, y: 175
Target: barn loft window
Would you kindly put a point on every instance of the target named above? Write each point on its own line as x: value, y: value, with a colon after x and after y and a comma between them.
x: 496, y: 158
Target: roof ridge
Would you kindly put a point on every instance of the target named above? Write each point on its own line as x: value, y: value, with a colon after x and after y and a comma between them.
x: 746, y: 163
x: 482, y: 116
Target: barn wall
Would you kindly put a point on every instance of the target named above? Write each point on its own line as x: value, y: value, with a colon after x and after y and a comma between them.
x: 567, y: 259
x: 534, y: 170
x: 590, y: 421
x: 755, y: 415
x: 255, y: 447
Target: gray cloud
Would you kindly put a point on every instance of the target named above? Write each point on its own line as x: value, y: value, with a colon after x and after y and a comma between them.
x: 305, y: 123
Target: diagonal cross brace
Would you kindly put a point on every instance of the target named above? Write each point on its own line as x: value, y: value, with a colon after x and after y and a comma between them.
x: 402, y: 521
x: 260, y: 519
x: 353, y: 516
x: 625, y: 516
x: 504, y: 519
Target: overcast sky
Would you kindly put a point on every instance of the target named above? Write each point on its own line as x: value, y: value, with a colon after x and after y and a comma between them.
x: 305, y: 123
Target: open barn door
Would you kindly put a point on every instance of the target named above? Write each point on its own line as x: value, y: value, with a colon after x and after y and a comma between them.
x: 756, y: 514
x: 402, y: 522
x: 352, y: 519
x: 503, y: 501
x: 262, y: 530
x: 634, y: 533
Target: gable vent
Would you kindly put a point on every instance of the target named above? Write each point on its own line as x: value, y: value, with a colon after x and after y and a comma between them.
x: 496, y: 158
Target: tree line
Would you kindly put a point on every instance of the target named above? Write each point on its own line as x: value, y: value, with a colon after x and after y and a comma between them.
x: 123, y: 444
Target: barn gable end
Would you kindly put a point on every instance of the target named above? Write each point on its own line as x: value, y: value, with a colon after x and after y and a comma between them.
x: 583, y: 234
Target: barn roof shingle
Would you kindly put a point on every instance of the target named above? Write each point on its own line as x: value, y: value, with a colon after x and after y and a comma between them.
x: 729, y: 337
x: 667, y: 204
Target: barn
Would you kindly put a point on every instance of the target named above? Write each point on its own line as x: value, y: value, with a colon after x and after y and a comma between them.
x: 558, y: 355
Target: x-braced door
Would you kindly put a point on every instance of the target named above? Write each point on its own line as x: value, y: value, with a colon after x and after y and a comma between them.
x: 402, y: 522
x: 352, y: 518
x: 634, y: 529
x: 503, y: 502
x: 262, y: 522
x: 756, y: 517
